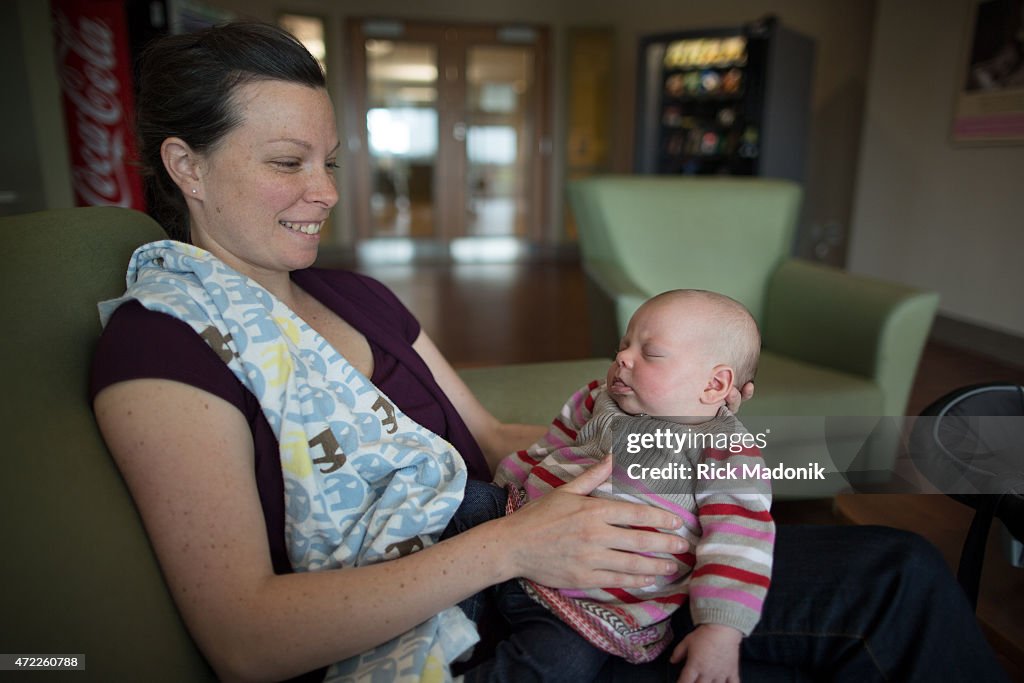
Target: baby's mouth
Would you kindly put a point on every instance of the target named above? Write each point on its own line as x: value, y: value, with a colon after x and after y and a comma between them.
x: 619, y: 386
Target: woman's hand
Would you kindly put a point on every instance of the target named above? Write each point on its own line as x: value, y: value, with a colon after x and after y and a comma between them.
x: 736, y: 396
x: 569, y: 540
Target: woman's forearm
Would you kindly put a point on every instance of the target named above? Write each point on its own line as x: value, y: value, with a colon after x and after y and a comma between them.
x: 503, y: 439
x: 293, y: 623
x: 566, y: 539
x: 188, y: 460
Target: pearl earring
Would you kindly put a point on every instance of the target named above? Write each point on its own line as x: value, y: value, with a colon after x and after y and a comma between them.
x: 193, y: 190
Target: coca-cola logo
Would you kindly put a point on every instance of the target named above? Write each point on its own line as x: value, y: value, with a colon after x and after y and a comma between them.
x: 87, y: 63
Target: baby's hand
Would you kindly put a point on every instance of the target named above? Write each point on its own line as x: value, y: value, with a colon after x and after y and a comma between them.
x: 737, y: 395
x: 712, y: 654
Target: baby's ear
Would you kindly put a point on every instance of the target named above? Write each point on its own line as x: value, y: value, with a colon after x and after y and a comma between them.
x: 718, y: 386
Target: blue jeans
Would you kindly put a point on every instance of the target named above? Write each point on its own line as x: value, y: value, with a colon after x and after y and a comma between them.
x: 521, y: 640
x: 851, y: 603
x: 847, y: 603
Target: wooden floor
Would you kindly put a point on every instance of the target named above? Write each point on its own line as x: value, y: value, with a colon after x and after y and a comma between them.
x: 490, y: 314
x: 518, y: 313
x: 496, y: 314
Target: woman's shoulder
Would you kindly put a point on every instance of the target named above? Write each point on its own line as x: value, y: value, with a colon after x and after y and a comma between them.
x: 135, y: 328
x: 139, y: 343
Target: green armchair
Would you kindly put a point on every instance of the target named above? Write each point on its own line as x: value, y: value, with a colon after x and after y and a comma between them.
x: 834, y: 344
x: 78, y: 575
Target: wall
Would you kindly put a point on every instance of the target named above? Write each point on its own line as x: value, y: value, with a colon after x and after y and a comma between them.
x: 927, y: 212
x: 841, y: 29
x: 32, y: 124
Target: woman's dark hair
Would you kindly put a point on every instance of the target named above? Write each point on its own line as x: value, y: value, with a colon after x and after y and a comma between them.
x: 186, y: 88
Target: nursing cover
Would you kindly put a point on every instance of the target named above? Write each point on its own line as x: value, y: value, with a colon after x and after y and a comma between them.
x: 363, y: 482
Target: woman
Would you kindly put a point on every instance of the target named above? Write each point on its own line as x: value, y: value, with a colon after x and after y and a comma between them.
x: 254, y: 173
x: 267, y: 419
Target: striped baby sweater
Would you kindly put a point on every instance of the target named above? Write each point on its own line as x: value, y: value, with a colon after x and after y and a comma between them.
x: 726, y: 573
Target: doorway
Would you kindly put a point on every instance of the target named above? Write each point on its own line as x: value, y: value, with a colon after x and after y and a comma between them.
x: 448, y: 131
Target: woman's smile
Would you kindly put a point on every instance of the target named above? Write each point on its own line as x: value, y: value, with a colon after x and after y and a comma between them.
x: 312, y: 229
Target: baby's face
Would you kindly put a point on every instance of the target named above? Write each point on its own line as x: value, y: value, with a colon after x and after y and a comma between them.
x: 664, y: 361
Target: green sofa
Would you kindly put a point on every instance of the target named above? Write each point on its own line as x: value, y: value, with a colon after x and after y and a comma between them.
x: 78, y: 572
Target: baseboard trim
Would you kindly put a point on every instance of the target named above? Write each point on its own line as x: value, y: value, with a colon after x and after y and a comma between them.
x: 1002, y: 346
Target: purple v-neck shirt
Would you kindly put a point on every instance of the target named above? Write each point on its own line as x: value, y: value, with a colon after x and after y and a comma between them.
x: 139, y: 343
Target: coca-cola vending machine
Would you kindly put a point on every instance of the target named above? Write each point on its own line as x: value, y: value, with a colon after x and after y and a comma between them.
x: 94, y: 66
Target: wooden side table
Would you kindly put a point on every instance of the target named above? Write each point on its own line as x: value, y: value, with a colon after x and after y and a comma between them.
x: 944, y: 522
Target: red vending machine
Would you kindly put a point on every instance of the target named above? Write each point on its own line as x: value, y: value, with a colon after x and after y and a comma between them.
x: 732, y: 101
x: 94, y: 65
x: 97, y: 43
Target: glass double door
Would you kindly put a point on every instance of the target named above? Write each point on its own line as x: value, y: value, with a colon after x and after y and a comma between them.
x: 447, y: 134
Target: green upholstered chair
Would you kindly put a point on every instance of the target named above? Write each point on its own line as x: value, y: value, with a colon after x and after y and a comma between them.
x: 834, y: 344
x: 531, y: 393
x: 78, y: 574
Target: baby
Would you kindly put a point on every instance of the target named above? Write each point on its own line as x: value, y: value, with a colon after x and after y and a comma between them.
x: 663, y: 403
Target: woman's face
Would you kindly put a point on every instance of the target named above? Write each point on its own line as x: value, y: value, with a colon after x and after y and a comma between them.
x: 265, y: 190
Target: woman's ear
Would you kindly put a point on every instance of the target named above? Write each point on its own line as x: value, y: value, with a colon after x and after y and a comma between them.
x: 182, y: 165
x: 718, y: 386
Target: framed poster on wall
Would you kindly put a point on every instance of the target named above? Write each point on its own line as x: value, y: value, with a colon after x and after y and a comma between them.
x: 989, y: 104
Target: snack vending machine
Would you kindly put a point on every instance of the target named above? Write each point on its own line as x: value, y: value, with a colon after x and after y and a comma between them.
x: 725, y: 102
